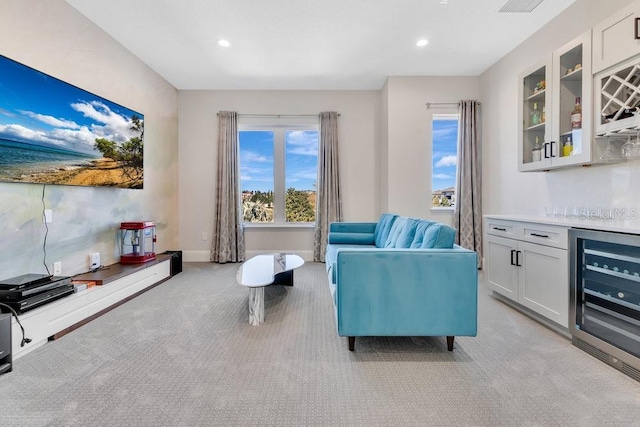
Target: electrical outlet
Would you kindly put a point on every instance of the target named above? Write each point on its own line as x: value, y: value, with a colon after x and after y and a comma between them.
x: 57, y: 268
x: 94, y: 260
x: 204, y: 235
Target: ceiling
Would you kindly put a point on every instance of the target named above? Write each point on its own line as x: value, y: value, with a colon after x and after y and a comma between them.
x: 314, y: 44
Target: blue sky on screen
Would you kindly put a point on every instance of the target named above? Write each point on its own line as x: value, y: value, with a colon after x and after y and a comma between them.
x: 257, y: 160
x: 445, y: 155
x: 42, y: 110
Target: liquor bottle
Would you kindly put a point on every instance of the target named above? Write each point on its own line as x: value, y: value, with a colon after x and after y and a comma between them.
x: 534, y: 115
x: 536, y: 153
x: 576, y: 115
x: 544, y: 115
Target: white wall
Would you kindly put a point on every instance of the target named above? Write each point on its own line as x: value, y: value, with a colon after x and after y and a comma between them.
x: 357, y: 133
x: 54, y: 38
x: 408, y: 151
x: 505, y: 190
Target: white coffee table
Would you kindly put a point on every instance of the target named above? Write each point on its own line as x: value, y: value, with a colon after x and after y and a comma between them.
x: 265, y: 270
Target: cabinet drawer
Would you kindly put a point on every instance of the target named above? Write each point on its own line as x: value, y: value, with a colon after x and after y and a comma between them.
x: 557, y: 237
x: 501, y: 228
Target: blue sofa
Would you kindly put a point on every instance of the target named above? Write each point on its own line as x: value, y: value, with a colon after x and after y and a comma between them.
x: 401, y: 277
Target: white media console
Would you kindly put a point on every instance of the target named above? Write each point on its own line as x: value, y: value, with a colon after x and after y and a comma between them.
x: 120, y: 283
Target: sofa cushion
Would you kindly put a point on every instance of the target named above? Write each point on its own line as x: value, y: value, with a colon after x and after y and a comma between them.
x: 396, y: 228
x: 418, y: 237
x: 406, y: 235
x: 439, y: 236
x: 382, y: 229
x: 351, y: 238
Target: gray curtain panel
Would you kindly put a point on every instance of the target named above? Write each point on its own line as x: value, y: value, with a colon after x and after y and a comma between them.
x: 467, y: 214
x: 328, y: 207
x: 227, y: 243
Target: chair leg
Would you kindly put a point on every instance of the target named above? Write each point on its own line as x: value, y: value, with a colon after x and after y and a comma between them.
x: 450, y: 343
x: 352, y: 343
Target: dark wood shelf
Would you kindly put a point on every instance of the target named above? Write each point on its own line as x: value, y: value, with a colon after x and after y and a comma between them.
x: 116, y: 271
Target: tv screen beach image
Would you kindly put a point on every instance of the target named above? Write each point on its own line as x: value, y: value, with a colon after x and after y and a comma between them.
x: 52, y: 132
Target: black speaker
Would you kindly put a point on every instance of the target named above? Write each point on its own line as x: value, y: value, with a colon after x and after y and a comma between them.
x: 176, y: 261
x: 5, y: 343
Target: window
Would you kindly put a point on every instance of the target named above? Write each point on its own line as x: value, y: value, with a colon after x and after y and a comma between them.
x: 278, y: 172
x: 444, y: 133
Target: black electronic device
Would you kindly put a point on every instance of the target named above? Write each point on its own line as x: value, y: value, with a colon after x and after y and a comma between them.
x: 36, y: 300
x: 18, y: 292
x: 5, y: 343
x: 26, y: 280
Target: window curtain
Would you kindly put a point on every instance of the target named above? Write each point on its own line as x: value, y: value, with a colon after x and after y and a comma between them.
x: 328, y: 207
x: 467, y: 214
x: 228, y: 235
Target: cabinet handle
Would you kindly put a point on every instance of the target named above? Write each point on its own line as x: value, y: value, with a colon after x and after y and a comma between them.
x: 546, y: 155
x: 513, y: 252
x: 539, y: 235
x: 636, y: 29
x: 552, y: 155
x: 518, y: 259
x: 499, y: 229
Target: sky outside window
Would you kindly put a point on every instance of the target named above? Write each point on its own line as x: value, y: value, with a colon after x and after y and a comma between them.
x: 256, y: 160
x: 301, y: 159
x: 445, y: 151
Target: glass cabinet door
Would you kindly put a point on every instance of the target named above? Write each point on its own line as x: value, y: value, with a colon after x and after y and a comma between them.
x: 572, y: 102
x: 534, y: 151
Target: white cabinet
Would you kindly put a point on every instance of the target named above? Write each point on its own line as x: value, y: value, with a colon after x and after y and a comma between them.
x: 554, y: 87
x: 616, y: 67
x: 44, y: 322
x: 528, y: 263
x: 617, y: 38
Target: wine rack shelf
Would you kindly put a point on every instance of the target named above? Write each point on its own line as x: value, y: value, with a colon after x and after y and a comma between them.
x: 618, y: 101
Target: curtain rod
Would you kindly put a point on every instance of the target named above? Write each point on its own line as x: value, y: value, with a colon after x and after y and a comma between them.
x: 456, y: 104
x: 278, y: 115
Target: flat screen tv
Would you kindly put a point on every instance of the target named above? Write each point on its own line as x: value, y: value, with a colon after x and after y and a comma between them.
x: 52, y: 132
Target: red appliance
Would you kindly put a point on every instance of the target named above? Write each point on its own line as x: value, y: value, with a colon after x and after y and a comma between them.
x: 137, y: 242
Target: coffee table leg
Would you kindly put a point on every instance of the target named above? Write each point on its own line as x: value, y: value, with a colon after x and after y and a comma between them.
x: 284, y: 278
x: 256, y: 305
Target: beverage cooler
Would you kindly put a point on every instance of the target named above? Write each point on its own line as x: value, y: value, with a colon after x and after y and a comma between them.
x: 605, y: 297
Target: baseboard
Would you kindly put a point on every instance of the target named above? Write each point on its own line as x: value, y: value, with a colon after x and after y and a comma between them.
x: 204, y: 256
x: 196, y: 256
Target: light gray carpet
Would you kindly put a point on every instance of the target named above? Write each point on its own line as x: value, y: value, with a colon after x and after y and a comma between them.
x: 183, y: 354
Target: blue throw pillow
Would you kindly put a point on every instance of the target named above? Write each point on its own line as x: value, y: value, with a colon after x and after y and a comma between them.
x: 439, y: 236
x: 406, y: 235
x: 397, y: 227
x: 382, y: 228
x: 421, y: 228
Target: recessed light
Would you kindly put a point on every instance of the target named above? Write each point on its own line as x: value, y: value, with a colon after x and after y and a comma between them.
x: 224, y: 43
x: 422, y: 42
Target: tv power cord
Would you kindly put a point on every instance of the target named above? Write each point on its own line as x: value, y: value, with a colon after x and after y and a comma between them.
x: 25, y: 340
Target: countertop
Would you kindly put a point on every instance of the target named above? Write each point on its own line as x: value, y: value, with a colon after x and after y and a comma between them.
x: 596, y: 219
